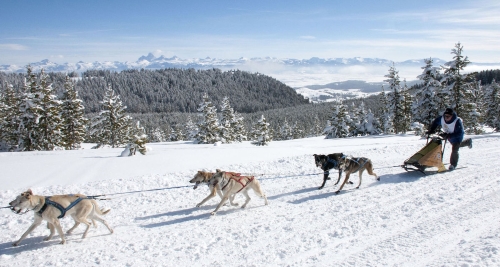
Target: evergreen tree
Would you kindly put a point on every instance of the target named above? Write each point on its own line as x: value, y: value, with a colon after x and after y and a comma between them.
x: 396, y: 101
x: 112, y: 125
x: 157, y: 135
x: 458, y: 84
x: 475, y: 108
x: 316, y: 129
x: 372, y: 124
x: 425, y: 107
x: 238, y: 128
x: 386, y: 115
x: 227, y: 132
x: 73, y: 117
x: 492, y: 117
x: 297, y: 131
x: 208, y: 126
x: 407, y: 102
x: 261, y: 132
x: 30, y: 108
x: 339, y: 123
x: 9, y: 117
x: 49, y: 123
x: 285, y: 131
x: 190, y: 130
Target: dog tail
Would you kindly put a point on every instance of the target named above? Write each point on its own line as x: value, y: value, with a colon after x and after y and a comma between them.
x: 98, y: 210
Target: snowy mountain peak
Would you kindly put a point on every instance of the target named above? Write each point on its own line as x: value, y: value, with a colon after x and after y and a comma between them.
x: 150, y: 61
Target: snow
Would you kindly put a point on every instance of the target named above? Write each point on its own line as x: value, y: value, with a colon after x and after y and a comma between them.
x: 406, y: 219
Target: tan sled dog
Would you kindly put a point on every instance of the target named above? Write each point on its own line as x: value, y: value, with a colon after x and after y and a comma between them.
x: 46, y: 208
x: 350, y: 165
x: 232, y: 183
x: 203, y: 177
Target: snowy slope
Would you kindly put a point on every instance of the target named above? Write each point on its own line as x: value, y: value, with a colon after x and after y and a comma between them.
x: 406, y: 219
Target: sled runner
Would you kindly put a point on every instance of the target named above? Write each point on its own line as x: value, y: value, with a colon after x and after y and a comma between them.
x: 431, y: 155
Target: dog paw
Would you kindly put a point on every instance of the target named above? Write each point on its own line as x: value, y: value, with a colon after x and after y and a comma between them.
x: 63, y: 242
x: 319, y: 188
x: 337, y: 192
x: 212, y: 213
x: 198, y: 205
x: 235, y: 204
x: 47, y: 238
x: 378, y: 179
x: 15, y: 244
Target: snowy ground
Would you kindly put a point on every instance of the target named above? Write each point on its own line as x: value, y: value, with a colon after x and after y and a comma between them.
x: 406, y: 219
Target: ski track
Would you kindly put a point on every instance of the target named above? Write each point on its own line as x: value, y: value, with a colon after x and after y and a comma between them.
x: 406, y: 219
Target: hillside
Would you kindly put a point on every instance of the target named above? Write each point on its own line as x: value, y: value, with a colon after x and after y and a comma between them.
x: 178, y: 90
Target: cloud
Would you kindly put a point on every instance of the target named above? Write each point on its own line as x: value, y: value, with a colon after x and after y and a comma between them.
x: 15, y: 47
x: 309, y: 37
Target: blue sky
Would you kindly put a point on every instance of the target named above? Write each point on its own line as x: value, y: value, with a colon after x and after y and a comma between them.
x: 71, y: 31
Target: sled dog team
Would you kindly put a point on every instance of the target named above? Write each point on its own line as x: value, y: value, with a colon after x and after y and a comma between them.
x: 226, y: 184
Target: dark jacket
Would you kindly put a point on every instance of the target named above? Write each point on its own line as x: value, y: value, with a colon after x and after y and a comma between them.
x: 458, y: 134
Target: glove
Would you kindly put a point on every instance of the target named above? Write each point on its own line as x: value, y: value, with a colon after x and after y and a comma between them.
x: 429, y: 132
x: 443, y: 135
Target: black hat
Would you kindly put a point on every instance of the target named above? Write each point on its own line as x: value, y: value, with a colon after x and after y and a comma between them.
x: 448, y: 111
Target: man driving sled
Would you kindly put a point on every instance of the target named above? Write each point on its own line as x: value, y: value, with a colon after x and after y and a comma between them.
x: 453, y: 129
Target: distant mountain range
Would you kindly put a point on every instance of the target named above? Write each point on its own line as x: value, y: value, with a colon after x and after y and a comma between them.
x: 161, y: 62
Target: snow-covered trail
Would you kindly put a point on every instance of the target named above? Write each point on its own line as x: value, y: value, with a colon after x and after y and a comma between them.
x: 406, y: 219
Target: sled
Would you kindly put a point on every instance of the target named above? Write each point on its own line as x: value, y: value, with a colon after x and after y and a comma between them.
x: 431, y: 155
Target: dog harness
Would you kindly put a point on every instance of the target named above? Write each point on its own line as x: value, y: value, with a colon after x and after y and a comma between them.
x: 334, y: 162
x: 357, y: 162
x: 59, y: 206
x: 239, y: 180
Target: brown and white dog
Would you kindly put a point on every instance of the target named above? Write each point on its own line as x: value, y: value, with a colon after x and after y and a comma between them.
x: 232, y: 183
x: 204, y: 177
x: 350, y: 165
x: 44, y: 209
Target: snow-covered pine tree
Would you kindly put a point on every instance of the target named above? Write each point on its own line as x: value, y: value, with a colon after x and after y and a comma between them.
x: 285, y: 131
x: 316, y: 129
x: 339, y: 123
x: 49, y: 124
x: 208, y: 125
x: 73, y: 124
x: 396, y: 100
x: 30, y: 109
x: 385, y: 113
x: 112, y: 126
x: 227, y: 132
x: 362, y: 120
x: 297, y: 131
x: 174, y: 134
x: 458, y: 84
x: 138, y: 138
x: 492, y: 117
x: 238, y: 127
x: 9, y: 117
x: 354, y: 120
x: 407, y: 102
x: 190, y: 130
x: 425, y: 107
x: 261, y: 132
x: 157, y: 135
x: 475, y: 107
x: 372, y: 124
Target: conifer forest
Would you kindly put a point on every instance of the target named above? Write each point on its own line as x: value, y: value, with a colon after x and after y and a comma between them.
x: 47, y: 111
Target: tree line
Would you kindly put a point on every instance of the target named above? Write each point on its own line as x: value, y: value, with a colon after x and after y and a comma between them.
x: 39, y: 114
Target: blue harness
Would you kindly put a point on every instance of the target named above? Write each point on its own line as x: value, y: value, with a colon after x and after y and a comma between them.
x: 59, y: 206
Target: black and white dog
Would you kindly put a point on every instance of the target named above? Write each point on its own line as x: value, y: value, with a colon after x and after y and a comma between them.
x: 328, y: 162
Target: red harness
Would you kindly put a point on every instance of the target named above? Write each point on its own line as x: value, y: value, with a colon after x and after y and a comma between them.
x: 238, y: 178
